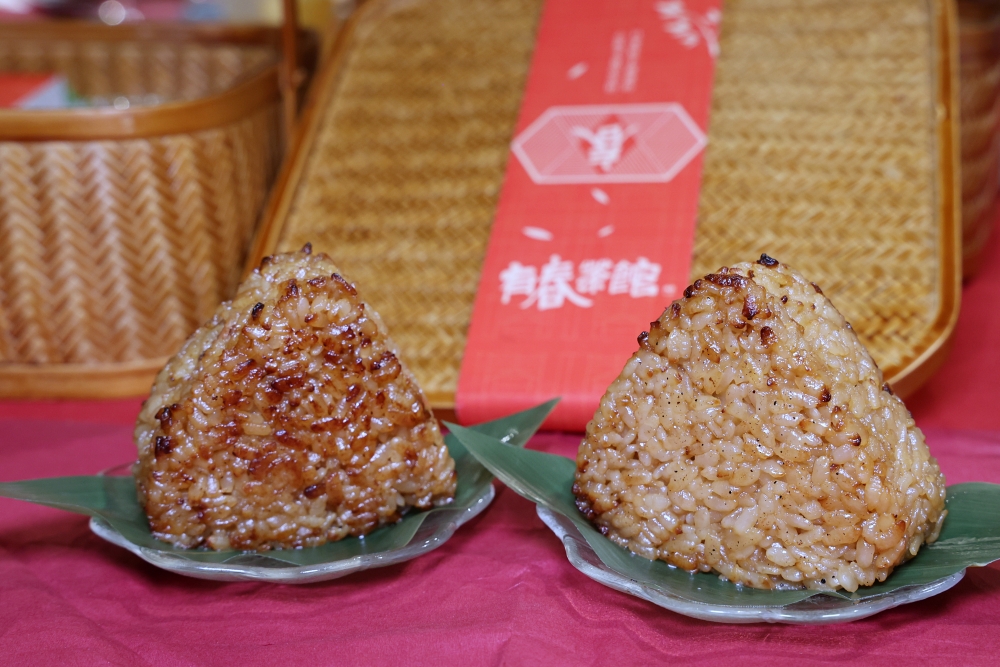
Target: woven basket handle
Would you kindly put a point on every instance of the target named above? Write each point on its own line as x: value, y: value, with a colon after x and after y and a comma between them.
x: 290, y: 77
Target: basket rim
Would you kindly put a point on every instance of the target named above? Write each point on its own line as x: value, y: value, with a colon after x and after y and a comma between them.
x: 89, y: 31
x: 134, y: 123
x: 180, y: 117
x: 79, y: 381
x: 945, y: 64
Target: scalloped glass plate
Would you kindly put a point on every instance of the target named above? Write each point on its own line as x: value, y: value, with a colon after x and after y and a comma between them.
x: 814, y: 610
x: 116, y: 516
x: 434, y: 530
x: 970, y: 537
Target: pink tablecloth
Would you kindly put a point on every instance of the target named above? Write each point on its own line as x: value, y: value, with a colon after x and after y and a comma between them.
x: 500, y: 592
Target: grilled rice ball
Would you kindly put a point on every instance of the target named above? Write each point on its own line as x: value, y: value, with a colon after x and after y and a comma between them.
x: 287, y: 420
x: 752, y: 435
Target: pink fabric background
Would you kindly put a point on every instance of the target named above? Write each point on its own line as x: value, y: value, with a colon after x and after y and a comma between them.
x: 500, y: 592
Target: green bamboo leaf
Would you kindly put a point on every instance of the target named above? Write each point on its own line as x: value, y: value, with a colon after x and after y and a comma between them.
x: 971, y: 534
x: 114, y: 500
x: 517, y: 429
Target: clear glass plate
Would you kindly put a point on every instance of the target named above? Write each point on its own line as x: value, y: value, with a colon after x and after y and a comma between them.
x: 814, y: 610
x: 437, y: 527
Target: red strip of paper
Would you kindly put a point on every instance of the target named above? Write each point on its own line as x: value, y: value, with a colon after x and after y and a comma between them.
x: 595, y: 224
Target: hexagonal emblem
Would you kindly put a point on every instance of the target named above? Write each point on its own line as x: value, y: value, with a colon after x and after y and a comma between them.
x: 609, y: 143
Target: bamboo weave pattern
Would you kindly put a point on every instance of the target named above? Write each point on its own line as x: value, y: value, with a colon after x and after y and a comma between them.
x: 114, y: 251
x: 821, y: 153
x: 403, y: 180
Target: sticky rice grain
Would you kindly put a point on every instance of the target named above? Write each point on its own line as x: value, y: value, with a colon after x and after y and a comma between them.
x: 752, y: 435
x: 288, y: 420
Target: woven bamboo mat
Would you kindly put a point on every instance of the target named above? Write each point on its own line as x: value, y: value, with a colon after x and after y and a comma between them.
x: 824, y: 134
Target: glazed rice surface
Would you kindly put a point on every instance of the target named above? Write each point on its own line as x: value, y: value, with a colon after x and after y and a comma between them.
x: 752, y: 435
x: 287, y: 420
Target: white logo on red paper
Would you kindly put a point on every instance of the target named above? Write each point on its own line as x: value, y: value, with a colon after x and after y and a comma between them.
x: 624, y: 61
x: 558, y: 283
x: 689, y: 28
x: 609, y: 143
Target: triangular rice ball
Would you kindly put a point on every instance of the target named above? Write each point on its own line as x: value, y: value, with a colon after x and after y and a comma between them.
x: 287, y: 420
x: 752, y: 434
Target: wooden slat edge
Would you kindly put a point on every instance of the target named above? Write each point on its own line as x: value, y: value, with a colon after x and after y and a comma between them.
x: 908, y: 379
x: 290, y: 176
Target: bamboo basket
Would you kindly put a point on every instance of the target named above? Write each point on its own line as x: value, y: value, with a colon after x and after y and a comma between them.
x: 121, y: 229
x: 832, y: 147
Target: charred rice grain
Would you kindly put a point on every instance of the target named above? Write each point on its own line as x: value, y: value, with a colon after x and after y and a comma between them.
x: 767, y: 261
